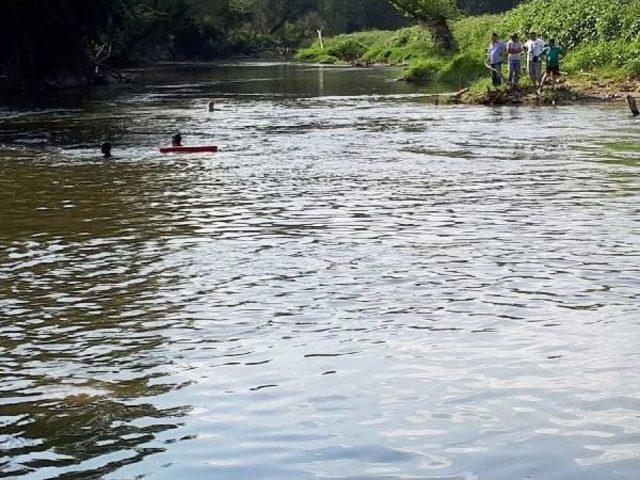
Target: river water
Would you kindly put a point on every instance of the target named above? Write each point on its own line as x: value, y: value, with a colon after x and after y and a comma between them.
x: 360, y: 285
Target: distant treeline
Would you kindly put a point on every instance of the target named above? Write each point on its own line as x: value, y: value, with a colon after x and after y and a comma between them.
x: 62, y: 39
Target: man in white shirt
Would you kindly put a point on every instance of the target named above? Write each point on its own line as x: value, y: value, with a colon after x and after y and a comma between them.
x: 534, y: 47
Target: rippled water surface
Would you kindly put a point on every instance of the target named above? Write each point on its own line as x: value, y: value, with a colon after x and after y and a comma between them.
x: 361, y: 285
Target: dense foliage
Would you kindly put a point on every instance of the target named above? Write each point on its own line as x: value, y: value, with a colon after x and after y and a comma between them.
x: 598, y: 34
x: 39, y: 36
x: 573, y: 22
x: 49, y: 39
x: 486, y: 6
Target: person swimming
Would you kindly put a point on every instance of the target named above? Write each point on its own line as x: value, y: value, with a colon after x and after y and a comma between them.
x: 105, y: 148
x: 212, y: 106
x: 176, y: 140
x: 49, y: 138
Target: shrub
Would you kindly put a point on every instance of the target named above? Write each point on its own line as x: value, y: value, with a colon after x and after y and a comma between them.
x: 462, y: 68
x: 328, y: 59
x: 472, y: 33
x: 423, y: 70
x: 347, y: 49
x: 573, y: 22
x: 620, y: 54
x: 310, y: 54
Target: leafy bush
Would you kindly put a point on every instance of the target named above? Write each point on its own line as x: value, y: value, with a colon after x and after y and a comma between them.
x: 410, y: 44
x: 621, y: 54
x: 462, y: 68
x: 472, y: 33
x: 328, y: 59
x: 348, y: 49
x: 573, y: 22
x: 423, y: 70
x: 345, y: 47
x: 309, y: 54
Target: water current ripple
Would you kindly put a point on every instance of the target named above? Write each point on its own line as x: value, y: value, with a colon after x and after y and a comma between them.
x: 363, y: 286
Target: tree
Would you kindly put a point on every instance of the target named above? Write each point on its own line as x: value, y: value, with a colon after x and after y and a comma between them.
x: 433, y: 14
x: 49, y: 38
x: 354, y: 15
x: 476, y: 7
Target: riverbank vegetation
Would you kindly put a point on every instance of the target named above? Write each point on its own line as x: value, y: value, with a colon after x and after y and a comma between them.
x: 602, y: 39
x: 71, y: 42
x: 415, y: 48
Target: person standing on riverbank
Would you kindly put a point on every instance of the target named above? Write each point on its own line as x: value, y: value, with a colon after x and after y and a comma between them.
x: 514, y: 49
x: 534, y: 47
x: 495, y: 58
x: 553, y: 54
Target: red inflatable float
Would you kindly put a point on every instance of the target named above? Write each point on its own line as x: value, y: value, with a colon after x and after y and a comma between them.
x: 200, y: 149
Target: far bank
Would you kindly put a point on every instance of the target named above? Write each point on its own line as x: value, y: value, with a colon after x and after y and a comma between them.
x: 601, y: 38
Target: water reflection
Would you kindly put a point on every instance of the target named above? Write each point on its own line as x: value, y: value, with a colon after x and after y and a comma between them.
x: 356, y: 287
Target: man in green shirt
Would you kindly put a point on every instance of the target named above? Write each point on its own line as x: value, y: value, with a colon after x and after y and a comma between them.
x: 553, y: 54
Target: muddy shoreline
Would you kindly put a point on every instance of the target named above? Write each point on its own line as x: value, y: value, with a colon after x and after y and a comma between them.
x: 569, y: 92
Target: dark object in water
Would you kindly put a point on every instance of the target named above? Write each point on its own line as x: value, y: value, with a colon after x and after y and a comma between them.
x: 176, y: 141
x: 633, y: 105
x: 212, y: 106
x: 200, y: 149
x: 105, y: 148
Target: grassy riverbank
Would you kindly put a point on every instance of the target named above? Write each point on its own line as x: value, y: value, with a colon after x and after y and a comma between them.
x: 412, y: 47
x: 602, y: 39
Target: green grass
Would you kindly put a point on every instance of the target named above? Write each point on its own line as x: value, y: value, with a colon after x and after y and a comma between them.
x: 414, y: 47
x: 344, y: 48
x: 472, y: 33
x: 615, y: 56
x: 462, y: 68
x: 479, y: 87
x: 424, y: 70
x: 378, y: 46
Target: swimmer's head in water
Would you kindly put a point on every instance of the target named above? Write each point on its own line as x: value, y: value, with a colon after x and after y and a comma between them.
x: 176, y: 141
x: 105, y: 148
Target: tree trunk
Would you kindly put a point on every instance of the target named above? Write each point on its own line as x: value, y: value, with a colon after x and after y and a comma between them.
x: 441, y: 32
